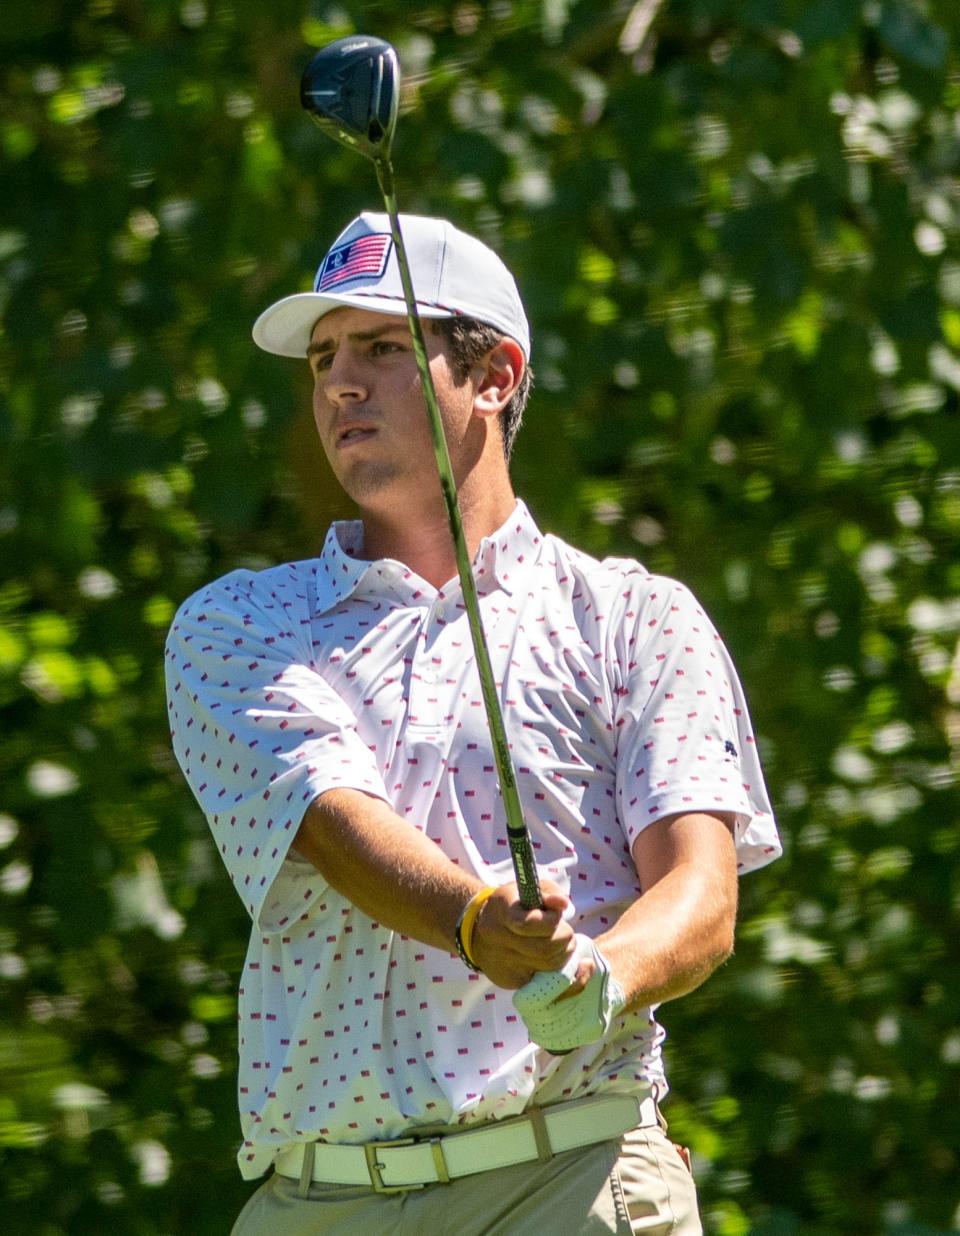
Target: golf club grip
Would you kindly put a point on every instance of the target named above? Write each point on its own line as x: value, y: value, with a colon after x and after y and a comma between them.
x: 525, y: 869
x: 521, y: 849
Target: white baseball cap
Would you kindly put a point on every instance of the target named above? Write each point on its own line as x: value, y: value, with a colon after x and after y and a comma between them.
x: 453, y: 275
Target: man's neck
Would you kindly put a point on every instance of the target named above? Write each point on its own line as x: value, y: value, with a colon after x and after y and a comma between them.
x: 425, y: 544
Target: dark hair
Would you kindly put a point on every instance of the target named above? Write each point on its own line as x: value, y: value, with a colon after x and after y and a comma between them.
x: 469, y: 341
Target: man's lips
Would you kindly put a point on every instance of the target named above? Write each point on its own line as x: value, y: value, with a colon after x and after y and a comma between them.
x: 350, y: 435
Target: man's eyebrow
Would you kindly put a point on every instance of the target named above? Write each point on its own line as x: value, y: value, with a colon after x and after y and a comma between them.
x: 360, y: 336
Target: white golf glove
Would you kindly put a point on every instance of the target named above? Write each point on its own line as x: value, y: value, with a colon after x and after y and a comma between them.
x: 560, y: 1026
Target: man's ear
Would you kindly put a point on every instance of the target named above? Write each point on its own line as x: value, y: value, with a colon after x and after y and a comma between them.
x: 498, y: 375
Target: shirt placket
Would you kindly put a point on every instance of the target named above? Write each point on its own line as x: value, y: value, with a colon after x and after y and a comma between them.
x: 439, y: 662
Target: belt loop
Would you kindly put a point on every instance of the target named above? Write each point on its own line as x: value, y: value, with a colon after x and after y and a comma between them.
x: 439, y: 1162
x: 540, y: 1135
x: 306, y: 1172
x: 649, y: 1114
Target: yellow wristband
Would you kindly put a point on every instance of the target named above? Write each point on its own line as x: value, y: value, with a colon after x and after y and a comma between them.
x: 467, y: 921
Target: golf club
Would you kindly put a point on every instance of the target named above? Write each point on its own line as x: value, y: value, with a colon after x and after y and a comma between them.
x: 351, y: 88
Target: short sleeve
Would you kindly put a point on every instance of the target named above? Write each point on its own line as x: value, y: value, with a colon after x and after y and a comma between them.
x: 684, y: 738
x: 258, y: 733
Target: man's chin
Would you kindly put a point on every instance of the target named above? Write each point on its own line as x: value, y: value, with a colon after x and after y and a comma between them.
x: 365, y: 481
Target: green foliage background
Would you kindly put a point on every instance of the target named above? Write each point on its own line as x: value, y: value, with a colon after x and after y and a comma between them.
x: 735, y: 225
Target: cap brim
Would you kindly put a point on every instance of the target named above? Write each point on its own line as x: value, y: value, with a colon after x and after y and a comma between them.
x: 287, y: 326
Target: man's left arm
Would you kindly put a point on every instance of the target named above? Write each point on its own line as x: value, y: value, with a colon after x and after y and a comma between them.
x: 683, y: 736
x: 681, y: 927
x: 665, y: 944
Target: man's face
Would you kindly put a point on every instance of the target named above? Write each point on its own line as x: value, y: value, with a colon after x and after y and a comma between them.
x: 369, y: 410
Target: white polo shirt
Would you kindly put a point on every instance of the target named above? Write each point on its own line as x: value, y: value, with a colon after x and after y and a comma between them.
x: 622, y: 706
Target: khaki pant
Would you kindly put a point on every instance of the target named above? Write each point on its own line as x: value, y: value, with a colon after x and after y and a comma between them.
x: 639, y: 1185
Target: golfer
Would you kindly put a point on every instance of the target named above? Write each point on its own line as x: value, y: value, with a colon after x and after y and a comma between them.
x: 419, y: 1053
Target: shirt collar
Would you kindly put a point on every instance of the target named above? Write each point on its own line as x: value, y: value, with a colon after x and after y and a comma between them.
x: 509, y: 553
x: 502, y: 560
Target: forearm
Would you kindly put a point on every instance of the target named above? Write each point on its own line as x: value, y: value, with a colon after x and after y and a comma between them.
x: 394, y: 874
x: 384, y: 866
x: 668, y: 942
x: 681, y: 928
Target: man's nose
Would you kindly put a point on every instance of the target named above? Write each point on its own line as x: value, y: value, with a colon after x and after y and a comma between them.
x: 344, y: 380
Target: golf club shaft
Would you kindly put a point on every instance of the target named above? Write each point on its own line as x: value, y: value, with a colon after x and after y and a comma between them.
x: 521, y: 850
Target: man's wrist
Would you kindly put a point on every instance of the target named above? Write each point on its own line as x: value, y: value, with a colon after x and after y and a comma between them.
x: 463, y: 933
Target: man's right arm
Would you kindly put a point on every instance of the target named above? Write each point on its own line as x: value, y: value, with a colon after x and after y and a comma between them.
x: 271, y: 753
x: 400, y: 878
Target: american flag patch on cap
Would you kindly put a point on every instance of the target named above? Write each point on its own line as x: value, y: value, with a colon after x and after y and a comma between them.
x: 366, y: 256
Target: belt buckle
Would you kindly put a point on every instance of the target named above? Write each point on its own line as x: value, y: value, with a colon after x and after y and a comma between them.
x: 371, y: 1151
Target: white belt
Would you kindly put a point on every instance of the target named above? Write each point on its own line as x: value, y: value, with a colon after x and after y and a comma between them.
x: 416, y: 1161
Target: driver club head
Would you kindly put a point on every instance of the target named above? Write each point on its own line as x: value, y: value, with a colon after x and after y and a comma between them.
x: 351, y: 88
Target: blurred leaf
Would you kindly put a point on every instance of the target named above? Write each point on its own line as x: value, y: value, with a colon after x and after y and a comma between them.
x: 906, y: 31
